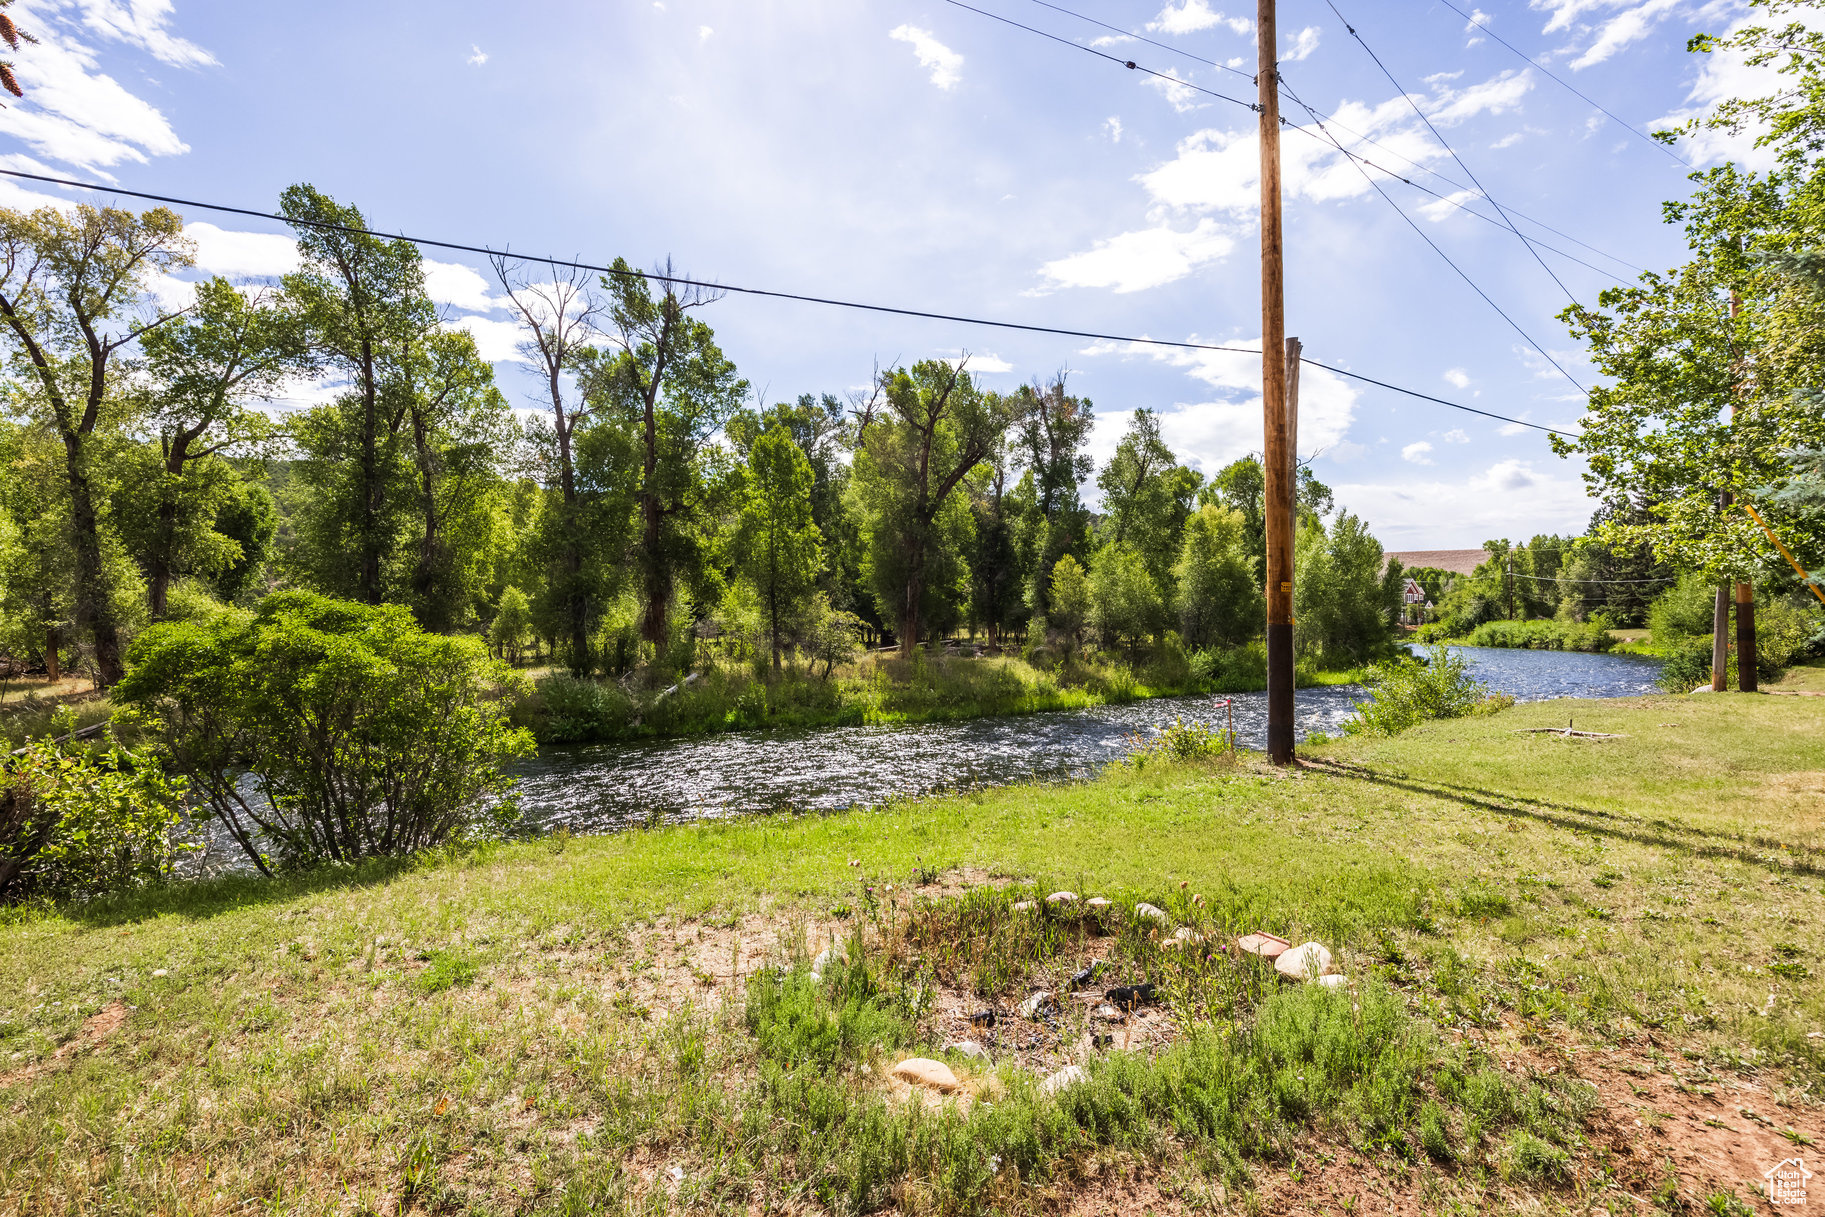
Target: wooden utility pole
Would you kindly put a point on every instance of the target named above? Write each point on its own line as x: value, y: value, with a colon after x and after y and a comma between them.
x: 1277, y: 465
x: 1745, y: 593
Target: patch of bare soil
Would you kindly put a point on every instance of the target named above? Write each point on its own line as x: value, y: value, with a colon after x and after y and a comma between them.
x: 95, y: 1031
x: 1711, y: 1133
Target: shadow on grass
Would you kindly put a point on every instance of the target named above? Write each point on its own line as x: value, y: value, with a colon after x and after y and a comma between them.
x: 201, y: 899
x: 1661, y: 833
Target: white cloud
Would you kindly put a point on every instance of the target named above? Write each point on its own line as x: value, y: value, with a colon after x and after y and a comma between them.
x: 1456, y: 436
x: 1113, y: 126
x: 1190, y: 16
x: 1179, y: 95
x: 1510, y: 430
x: 1303, y: 45
x: 1443, y: 209
x: 1509, y: 497
x: 979, y: 362
x: 1630, y: 25
x: 235, y: 255
x: 172, y: 294
x: 455, y: 284
x: 142, y: 23
x: 1723, y: 75
x: 1457, y: 378
x: 1135, y: 261
x: 79, y: 115
x: 477, y: 56
x: 946, y: 65
x: 1497, y: 95
x: 1418, y: 453
x: 1210, y: 434
x: 704, y: 32
x: 497, y: 341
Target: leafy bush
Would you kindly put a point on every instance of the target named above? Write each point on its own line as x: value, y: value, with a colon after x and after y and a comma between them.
x: 564, y: 709
x: 1409, y: 692
x: 1682, y: 611
x: 327, y: 731
x: 1187, y: 742
x: 76, y: 824
x: 1542, y: 636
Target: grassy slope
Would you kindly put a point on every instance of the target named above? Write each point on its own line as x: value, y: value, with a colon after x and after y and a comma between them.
x: 294, y: 1041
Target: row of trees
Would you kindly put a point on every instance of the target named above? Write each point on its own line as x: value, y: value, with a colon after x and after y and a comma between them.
x: 1713, y: 369
x: 646, y: 502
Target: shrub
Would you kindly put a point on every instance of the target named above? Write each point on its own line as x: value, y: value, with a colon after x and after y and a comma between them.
x: 1542, y: 635
x: 565, y: 710
x: 74, y: 824
x: 327, y: 731
x: 1682, y: 611
x: 1409, y: 692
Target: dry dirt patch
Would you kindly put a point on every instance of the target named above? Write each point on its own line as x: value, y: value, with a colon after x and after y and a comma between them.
x: 95, y: 1031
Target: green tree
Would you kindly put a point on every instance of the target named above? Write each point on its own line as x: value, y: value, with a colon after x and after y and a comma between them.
x: 1219, y: 601
x: 69, y: 287
x: 249, y: 518
x: 208, y: 369
x: 1070, y: 596
x: 1051, y: 438
x: 999, y: 564
x: 322, y: 730
x: 777, y: 545
x: 1147, y: 496
x: 512, y: 624
x: 675, y: 388
x: 364, y: 306
x: 934, y: 428
x: 1343, y: 603
x: 1125, y: 603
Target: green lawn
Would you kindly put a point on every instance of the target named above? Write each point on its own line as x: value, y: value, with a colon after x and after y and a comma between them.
x: 550, y: 1026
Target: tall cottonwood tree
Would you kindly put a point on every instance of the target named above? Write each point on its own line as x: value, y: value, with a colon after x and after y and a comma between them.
x: 206, y: 370
x: 777, y: 546
x: 1051, y: 439
x: 560, y: 316
x: 1147, y: 496
x: 70, y: 287
x: 934, y: 426
x: 363, y: 302
x: 674, y: 388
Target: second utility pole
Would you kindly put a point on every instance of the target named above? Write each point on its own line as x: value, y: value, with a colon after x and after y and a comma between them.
x: 1276, y: 458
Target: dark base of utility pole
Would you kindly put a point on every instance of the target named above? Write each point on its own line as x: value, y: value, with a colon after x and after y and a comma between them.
x: 1745, y: 639
x: 1280, y: 693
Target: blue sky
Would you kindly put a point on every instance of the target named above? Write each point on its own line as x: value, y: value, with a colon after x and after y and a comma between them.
x: 911, y: 152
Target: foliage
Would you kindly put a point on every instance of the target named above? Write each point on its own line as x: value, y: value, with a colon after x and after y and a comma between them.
x: 512, y: 624
x: 1071, y: 600
x: 76, y: 824
x: 1542, y: 635
x: 1125, y: 603
x: 1147, y: 497
x: 1219, y: 601
x: 1408, y: 692
x: 777, y: 547
x: 1344, y: 602
x: 360, y: 734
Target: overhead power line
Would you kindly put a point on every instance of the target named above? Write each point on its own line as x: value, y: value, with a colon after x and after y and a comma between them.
x: 1115, y: 59
x: 650, y: 276
x: 1461, y: 272
x: 1566, y: 84
x: 1371, y: 141
x: 1446, y: 145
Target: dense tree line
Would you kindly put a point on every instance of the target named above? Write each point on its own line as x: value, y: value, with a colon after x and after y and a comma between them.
x: 641, y: 502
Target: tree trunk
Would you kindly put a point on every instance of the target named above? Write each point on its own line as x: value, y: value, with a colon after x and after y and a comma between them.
x: 915, y: 592
x: 50, y: 654
x: 1720, y: 641
x: 93, y: 611
x: 370, y: 479
x: 1746, y: 675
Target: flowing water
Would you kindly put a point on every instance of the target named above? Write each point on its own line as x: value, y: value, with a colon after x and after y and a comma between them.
x: 603, y: 787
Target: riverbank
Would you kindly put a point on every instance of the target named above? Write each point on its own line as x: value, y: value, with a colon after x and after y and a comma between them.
x: 1581, y: 973
x: 882, y: 689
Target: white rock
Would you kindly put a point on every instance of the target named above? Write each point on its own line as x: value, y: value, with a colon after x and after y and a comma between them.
x: 1062, y: 898
x: 1151, y: 912
x: 1336, y: 980
x: 1070, y: 1075
x: 1024, y: 906
x: 1040, y: 1003
x: 826, y: 957
x: 969, y: 1048
x: 1099, y: 903
x: 1187, y: 935
x: 1704, y: 688
x: 934, y: 1075
x: 1108, y: 1013
x: 1308, y: 961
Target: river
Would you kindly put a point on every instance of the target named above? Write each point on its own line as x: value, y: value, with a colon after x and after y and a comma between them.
x: 604, y: 787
